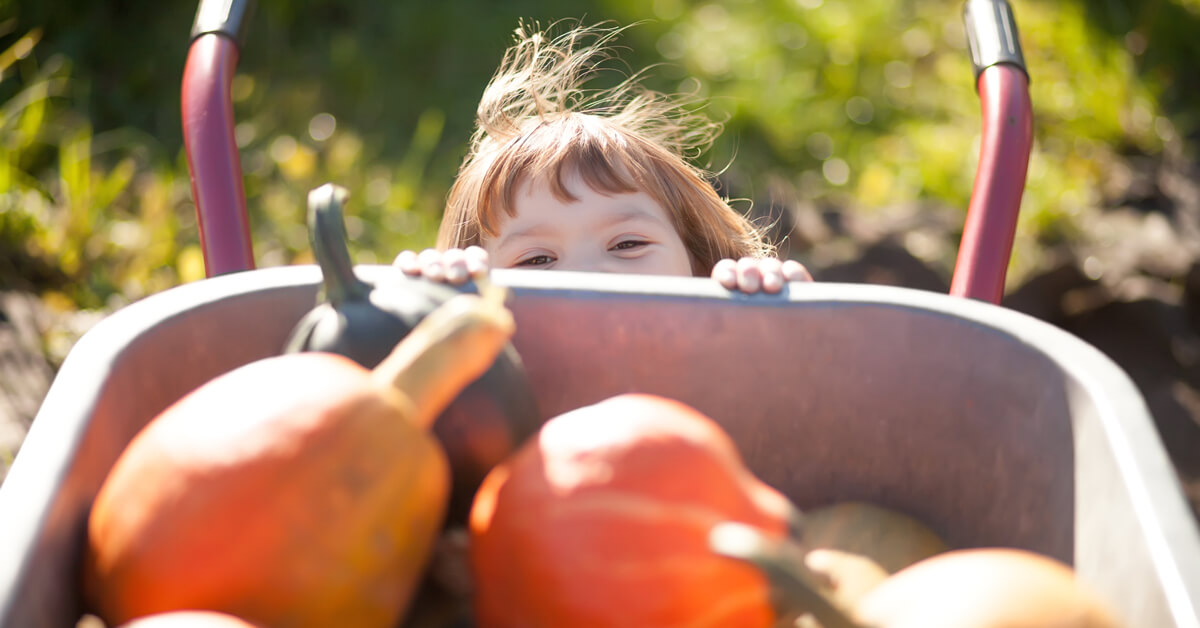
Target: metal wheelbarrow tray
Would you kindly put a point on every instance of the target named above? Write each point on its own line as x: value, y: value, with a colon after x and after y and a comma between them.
x: 991, y: 426
x: 995, y: 428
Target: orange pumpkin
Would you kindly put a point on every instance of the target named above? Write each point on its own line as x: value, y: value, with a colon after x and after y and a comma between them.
x: 190, y: 619
x: 984, y: 588
x: 603, y: 520
x: 299, y: 490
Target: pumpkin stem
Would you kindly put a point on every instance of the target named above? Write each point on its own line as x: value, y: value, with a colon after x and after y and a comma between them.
x: 447, y: 350
x: 327, y: 234
x: 796, y: 590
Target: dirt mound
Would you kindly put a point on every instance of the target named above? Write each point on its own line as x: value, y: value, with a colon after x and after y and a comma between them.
x: 25, y: 373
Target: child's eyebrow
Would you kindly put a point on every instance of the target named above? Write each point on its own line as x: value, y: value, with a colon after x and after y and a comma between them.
x: 528, y: 232
x: 633, y: 213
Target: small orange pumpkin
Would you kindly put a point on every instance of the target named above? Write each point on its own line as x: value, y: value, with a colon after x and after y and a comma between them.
x: 190, y: 619
x: 603, y: 520
x: 298, y: 490
x: 984, y: 588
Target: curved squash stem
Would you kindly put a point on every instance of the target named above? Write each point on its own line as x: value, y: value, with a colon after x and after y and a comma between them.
x: 796, y: 589
x: 327, y: 234
x: 447, y: 350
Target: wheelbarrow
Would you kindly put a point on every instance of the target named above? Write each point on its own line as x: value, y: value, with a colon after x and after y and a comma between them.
x: 994, y: 428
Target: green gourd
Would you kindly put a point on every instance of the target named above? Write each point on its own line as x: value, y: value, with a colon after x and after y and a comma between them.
x: 363, y: 320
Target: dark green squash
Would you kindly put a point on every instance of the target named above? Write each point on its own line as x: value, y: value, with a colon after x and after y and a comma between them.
x: 362, y: 321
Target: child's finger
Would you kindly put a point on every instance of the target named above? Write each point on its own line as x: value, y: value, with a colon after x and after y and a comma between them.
x: 725, y: 272
x: 749, y: 277
x: 454, y: 264
x: 406, y: 261
x: 795, y: 271
x: 772, y: 275
x: 477, y: 261
x: 430, y: 261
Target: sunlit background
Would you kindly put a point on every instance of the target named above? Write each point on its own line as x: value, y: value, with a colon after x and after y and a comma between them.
x: 863, y: 105
x: 850, y: 123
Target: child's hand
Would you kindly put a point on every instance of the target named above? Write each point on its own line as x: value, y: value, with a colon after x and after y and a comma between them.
x: 453, y: 266
x: 751, y: 274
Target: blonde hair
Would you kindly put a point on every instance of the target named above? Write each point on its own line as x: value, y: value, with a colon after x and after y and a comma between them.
x: 536, y: 120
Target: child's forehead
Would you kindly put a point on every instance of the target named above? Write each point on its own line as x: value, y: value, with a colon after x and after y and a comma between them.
x: 566, y: 181
x: 570, y: 182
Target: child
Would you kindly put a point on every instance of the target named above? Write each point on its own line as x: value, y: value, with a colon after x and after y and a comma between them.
x: 559, y: 177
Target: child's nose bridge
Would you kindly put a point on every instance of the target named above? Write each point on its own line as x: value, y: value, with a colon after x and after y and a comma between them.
x: 587, y: 254
x: 586, y: 259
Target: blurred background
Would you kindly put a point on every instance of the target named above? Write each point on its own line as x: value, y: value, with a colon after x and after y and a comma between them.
x: 852, y: 125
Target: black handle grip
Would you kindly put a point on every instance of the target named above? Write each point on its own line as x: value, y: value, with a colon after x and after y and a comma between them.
x: 992, y: 35
x: 225, y: 17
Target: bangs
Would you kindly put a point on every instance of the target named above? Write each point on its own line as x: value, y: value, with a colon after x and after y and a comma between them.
x: 606, y: 158
x: 538, y: 122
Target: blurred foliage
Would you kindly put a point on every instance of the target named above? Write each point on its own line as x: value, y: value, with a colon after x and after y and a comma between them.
x: 84, y: 215
x: 863, y: 104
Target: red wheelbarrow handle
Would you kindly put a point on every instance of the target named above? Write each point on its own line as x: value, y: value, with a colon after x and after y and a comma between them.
x: 212, y: 153
x: 1007, y: 138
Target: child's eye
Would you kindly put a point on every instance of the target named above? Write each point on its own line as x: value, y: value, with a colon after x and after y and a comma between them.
x: 536, y: 260
x: 628, y: 244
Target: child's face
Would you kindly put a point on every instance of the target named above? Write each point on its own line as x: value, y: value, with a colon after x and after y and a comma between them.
x: 622, y: 233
